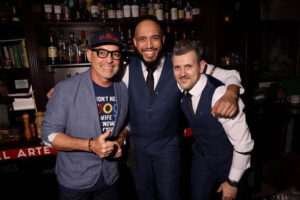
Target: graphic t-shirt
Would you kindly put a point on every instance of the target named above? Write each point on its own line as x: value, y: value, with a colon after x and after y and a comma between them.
x: 107, y: 109
x: 107, y: 106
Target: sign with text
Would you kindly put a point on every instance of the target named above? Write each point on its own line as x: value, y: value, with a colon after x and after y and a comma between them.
x: 26, y: 152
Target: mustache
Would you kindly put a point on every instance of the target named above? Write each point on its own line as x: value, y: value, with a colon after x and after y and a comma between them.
x: 107, y: 64
x: 151, y: 49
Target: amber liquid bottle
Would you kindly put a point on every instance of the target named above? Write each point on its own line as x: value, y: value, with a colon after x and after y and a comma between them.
x: 52, y: 51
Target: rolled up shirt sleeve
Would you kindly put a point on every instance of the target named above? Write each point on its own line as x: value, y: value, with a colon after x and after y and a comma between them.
x: 228, y: 77
x: 239, y: 136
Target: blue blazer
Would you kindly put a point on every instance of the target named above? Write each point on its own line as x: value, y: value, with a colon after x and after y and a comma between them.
x: 73, y: 110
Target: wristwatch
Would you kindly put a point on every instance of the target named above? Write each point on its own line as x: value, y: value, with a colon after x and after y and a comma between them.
x: 232, y: 183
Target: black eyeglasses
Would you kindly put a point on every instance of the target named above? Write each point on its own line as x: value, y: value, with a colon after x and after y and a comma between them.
x: 103, y: 53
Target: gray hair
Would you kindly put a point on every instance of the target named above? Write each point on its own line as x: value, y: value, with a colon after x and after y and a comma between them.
x: 183, y: 46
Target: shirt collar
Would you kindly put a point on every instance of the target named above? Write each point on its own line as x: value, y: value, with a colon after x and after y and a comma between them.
x: 199, y: 86
x: 159, y: 67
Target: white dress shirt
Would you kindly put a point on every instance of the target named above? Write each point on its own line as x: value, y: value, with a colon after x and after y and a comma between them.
x: 236, y: 129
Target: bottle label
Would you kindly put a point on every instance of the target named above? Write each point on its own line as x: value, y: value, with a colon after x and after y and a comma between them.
x: 48, y: 8
x: 159, y: 14
x: 126, y: 9
x: 180, y: 14
x: 111, y: 14
x: 57, y: 9
x: 174, y: 14
x: 52, y: 52
x: 196, y: 11
x: 135, y: 10
x: 94, y: 10
x: 188, y: 15
x: 151, y: 11
x: 119, y: 14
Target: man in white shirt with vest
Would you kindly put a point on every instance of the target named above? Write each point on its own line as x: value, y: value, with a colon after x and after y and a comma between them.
x: 221, y: 151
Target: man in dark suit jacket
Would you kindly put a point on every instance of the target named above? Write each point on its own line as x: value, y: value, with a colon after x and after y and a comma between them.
x: 221, y: 152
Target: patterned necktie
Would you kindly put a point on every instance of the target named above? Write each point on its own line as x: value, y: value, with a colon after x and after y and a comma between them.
x: 189, y: 101
x: 150, y: 79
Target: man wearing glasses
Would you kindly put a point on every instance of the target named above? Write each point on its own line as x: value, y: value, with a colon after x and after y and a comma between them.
x: 85, y: 119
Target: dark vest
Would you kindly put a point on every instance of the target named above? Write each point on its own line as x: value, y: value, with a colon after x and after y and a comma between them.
x: 154, y: 119
x: 211, y: 141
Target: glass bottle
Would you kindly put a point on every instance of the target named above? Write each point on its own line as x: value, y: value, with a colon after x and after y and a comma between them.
x: 83, y: 47
x: 66, y: 11
x: 94, y: 11
x: 72, y: 49
x: 151, y: 8
x: 119, y: 11
x: 167, y: 15
x: 15, y: 14
x: 130, y: 45
x: 102, y: 11
x: 174, y: 11
x: 73, y: 10
x: 188, y: 12
x: 159, y: 13
x: 52, y: 50
x: 57, y: 11
x: 135, y: 10
x: 88, y: 6
x: 111, y: 11
x: 127, y: 10
x: 61, y: 48
x: 143, y: 9
x: 180, y: 7
x: 48, y: 10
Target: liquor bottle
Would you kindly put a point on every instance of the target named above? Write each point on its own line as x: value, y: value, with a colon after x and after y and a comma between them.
x: 174, y: 11
x: 151, y: 10
x: 72, y: 49
x: 66, y: 11
x: 15, y: 14
x: 180, y: 7
x: 129, y: 44
x: 78, y: 53
x: 82, y: 12
x: 127, y: 10
x: 119, y: 11
x: 57, y: 11
x: 167, y: 15
x: 52, y: 50
x: 169, y: 40
x: 188, y: 12
x: 48, y: 11
x: 120, y: 30
x: 88, y: 6
x: 196, y: 12
x: 135, y: 10
x: 102, y: 11
x: 159, y: 13
x: 111, y: 11
x: 94, y: 11
x: 143, y: 9
x: 73, y: 10
x: 4, y: 12
x: 61, y: 48
x: 83, y: 47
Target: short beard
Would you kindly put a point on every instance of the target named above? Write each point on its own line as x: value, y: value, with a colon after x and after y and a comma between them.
x: 152, y: 64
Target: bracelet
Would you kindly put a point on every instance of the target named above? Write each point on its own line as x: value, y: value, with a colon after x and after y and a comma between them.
x: 90, y: 144
x: 232, y: 183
